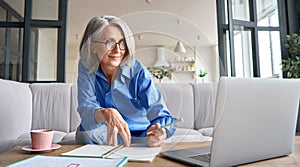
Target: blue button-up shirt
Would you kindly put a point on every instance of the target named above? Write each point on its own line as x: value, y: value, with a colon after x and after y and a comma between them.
x: 133, y: 93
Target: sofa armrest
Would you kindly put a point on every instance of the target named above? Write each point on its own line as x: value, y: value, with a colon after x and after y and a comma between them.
x: 16, y: 109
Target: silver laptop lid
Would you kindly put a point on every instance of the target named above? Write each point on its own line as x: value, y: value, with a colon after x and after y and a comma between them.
x: 255, y: 119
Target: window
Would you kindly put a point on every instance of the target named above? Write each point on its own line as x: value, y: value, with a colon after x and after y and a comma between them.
x: 32, y: 43
x: 270, y: 53
x: 11, y: 42
x: 249, y: 38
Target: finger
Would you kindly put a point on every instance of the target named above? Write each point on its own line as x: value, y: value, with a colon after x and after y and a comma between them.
x: 150, y: 142
x: 158, y: 143
x: 155, y: 141
x: 126, y: 136
x: 153, y: 138
x: 124, y: 133
x: 109, y: 133
x: 156, y: 126
x: 152, y: 129
x: 127, y: 131
x: 159, y: 132
x: 157, y: 137
x: 156, y: 133
x: 114, y: 136
x: 154, y: 144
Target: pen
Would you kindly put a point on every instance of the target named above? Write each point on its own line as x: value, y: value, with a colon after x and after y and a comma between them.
x: 167, y: 125
x: 108, y: 153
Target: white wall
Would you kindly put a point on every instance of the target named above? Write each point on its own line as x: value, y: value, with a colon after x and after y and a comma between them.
x: 72, y: 63
x: 206, y: 59
x: 193, y: 23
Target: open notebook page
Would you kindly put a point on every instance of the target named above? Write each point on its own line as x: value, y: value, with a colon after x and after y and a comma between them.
x: 133, y: 153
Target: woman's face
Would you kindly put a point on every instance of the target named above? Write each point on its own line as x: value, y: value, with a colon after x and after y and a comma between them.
x: 112, y: 56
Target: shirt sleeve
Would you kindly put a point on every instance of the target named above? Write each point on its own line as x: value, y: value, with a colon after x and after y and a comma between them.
x: 87, y: 101
x: 151, y: 99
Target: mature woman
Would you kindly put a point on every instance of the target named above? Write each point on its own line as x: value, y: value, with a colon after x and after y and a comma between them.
x: 117, y: 99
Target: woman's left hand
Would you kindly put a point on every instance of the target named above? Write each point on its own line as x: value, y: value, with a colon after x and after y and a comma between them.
x: 156, y: 137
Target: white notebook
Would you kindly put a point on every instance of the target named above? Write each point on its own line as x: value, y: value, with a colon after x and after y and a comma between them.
x: 133, y: 153
x: 50, y: 161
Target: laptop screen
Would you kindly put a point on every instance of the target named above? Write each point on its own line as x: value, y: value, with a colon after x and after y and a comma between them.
x: 255, y: 119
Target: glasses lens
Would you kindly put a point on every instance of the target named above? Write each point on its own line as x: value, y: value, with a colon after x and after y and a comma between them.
x: 110, y: 44
x: 122, y: 44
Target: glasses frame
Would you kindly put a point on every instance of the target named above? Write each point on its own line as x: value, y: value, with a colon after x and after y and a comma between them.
x: 113, y: 46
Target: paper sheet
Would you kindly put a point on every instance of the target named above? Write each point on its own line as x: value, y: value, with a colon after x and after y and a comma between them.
x: 133, y: 153
x: 59, y: 161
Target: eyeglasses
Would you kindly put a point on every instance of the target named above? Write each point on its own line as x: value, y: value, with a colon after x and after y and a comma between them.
x: 111, y: 44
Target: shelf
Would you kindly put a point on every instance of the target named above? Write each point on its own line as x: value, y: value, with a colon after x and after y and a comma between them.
x: 184, y: 71
x: 182, y: 61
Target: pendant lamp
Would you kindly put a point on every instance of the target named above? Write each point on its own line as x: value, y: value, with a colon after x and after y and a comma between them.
x: 179, y: 48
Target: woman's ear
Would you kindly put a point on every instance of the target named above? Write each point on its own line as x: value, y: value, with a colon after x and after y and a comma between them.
x: 94, y: 48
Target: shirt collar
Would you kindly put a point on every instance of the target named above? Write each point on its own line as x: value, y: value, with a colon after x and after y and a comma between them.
x: 126, y: 72
x: 124, y: 77
x: 100, y: 74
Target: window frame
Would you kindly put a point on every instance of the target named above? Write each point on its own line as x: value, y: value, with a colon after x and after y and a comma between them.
x: 224, y: 27
x: 28, y: 24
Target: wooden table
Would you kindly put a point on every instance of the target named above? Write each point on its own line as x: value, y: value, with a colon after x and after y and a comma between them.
x: 292, y: 160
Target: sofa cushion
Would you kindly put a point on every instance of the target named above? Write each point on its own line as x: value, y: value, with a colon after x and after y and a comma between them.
x: 69, y: 139
x: 180, y: 101
x: 207, y: 131
x: 16, y: 110
x: 205, y: 100
x: 51, y: 106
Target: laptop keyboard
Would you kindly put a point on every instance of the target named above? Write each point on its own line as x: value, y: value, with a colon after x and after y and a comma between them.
x: 202, y: 157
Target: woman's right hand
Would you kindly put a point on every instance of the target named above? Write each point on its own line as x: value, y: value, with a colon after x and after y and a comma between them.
x: 115, y: 124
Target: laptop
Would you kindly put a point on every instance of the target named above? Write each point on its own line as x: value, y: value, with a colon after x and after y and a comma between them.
x: 255, y: 119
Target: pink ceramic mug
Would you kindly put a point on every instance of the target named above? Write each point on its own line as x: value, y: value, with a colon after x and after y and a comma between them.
x: 41, y: 139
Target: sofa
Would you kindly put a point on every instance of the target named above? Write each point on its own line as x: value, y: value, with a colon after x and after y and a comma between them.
x: 28, y: 106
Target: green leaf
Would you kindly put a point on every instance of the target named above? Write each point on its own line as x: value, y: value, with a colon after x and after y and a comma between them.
x: 291, y: 65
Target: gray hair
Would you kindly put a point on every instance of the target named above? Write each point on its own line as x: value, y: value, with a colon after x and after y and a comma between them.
x: 93, y: 29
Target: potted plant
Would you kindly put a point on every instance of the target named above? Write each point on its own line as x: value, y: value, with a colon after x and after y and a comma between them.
x: 161, y: 72
x: 292, y: 65
x: 202, y: 74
